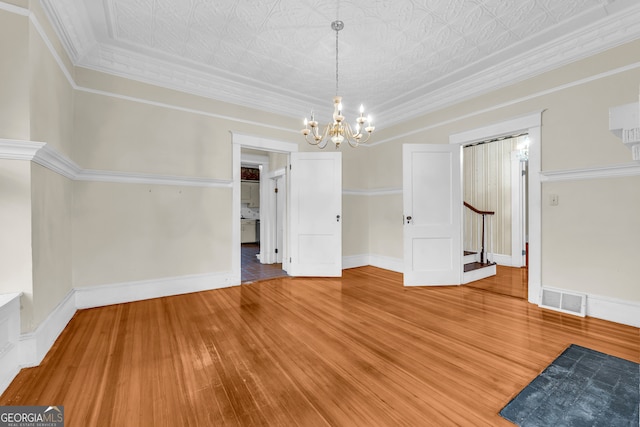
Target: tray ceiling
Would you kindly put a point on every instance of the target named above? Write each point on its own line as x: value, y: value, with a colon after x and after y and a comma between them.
x: 401, y: 58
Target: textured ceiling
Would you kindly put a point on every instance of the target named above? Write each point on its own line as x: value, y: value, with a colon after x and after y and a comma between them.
x: 400, y: 58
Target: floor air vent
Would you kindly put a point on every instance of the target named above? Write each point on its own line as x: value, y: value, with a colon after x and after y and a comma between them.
x: 564, y: 301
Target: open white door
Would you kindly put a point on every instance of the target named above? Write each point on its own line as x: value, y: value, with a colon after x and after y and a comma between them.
x: 315, y: 214
x: 432, y: 203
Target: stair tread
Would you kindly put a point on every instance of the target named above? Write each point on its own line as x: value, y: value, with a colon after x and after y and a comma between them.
x: 476, y: 266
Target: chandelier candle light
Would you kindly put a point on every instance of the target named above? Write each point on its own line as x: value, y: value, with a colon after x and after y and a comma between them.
x: 339, y: 130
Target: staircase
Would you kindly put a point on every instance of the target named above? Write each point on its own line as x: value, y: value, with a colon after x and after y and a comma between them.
x: 477, y: 264
x: 474, y: 269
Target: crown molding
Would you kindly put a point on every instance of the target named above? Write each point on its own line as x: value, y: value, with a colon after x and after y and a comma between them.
x: 619, y: 24
x: 48, y: 157
x: 14, y: 9
x: 614, y: 30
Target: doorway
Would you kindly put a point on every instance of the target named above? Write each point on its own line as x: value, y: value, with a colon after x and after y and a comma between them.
x: 262, y: 190
x: 260, y: 147
x: 495, y: 180
x: 529, y: 124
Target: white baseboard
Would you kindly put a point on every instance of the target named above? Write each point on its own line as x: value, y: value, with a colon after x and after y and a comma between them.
x: 614, y: 310
x: 354, y: 261
x: 9, y: 338
x: 388, y: 263
x: 380, y: 261
x: 35, y: 345
x: 607, y: 308
x: 98, y: 296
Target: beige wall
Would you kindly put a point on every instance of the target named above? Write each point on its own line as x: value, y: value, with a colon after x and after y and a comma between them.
x: 51, y: 196
x: 122, y: 135
x: 50, y: 98
x: 14, y: 75
x: 591, y: 238
x: 131, y: 232
x: 15, y: 229
x: 355, y: 225
x: 574, y: 135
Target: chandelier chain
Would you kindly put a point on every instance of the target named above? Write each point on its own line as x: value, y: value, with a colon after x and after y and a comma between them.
x: 337, y: 32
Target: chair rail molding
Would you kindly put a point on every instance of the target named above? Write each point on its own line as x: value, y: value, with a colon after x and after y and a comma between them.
x: 47, y: 156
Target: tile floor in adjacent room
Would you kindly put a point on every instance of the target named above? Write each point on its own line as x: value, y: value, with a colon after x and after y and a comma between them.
x: 252, y: 270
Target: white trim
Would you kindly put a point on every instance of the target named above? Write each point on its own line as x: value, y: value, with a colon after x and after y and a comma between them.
x: 241, y: 140
x: 500, y: 129
x: 57, y: 162
x: 353, y: 261
x: 153, y: 179
x: 590, y: 50
x: 518, y: 207
x: 609, y: 171
x: 9, y: 338
x: 530, y: 124
x: 117, y: 293
x: 614, y: 310
x: 48, y: 157
x: 607, y: 308
x: 373, y: 192
x: 504, y: 260
x: 387, y: 263
x: 509, y: 103
x: 35, y: 345
x: 612, y: 27
x: 13, y: 149
x: 14, y: 9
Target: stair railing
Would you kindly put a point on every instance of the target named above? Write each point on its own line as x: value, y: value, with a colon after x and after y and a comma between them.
x: 485, y: 230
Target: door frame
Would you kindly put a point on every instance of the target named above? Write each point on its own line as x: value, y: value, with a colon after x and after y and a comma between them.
x: 518, y: 207
x: 239, y: 141
x: 531, y: 124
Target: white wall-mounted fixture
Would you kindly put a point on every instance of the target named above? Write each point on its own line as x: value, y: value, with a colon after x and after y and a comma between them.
x: 624, y: 122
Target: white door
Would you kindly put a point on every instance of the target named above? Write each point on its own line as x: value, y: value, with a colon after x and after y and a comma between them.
x: 315, y: 214
x: 432, y: 204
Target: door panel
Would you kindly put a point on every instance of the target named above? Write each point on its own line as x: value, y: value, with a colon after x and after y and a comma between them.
x: 432, y: 188
x: 316, y: 214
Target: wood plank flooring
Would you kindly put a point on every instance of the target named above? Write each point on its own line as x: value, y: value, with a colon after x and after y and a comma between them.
x: 509, y: 281
x: 360, y: 350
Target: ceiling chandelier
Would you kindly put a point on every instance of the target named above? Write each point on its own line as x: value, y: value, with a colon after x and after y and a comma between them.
x: 339, y: 130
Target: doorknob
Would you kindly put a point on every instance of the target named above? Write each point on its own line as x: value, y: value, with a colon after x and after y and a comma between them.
x: 409, y: 219
x: 337, y: 218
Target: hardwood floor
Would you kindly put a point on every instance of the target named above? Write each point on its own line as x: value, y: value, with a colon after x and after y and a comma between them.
x: 360, y: 350
x: 509, y: 281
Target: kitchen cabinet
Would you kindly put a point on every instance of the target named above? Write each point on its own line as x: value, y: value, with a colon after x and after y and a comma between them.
x: 248, y: 231
x: 250, y: 193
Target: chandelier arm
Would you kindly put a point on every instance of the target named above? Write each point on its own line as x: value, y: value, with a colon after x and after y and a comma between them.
x: 350, y: 137
x: 325, y: 140
x: 306, y: 138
